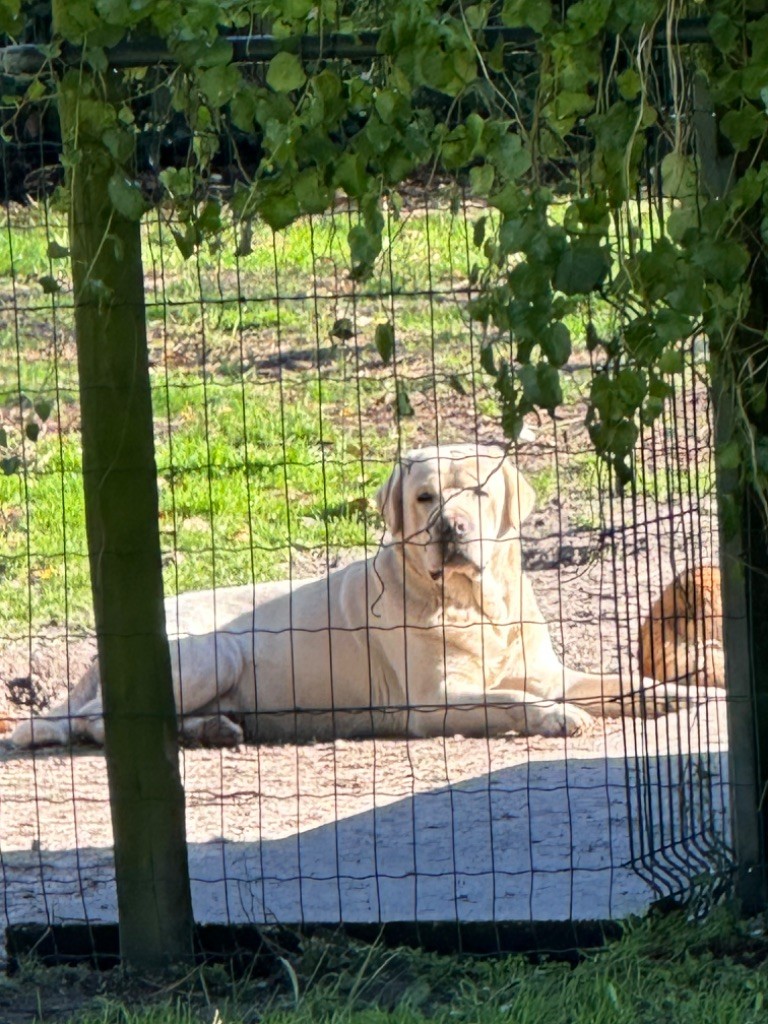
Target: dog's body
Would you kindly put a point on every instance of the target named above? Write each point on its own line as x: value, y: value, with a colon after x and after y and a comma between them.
x: 439, y: 633
x: 681, y: 641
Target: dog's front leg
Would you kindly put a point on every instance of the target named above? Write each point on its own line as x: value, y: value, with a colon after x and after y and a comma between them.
x: 206, y: 669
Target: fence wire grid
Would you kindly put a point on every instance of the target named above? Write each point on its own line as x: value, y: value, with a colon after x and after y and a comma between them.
x: 276, y: 422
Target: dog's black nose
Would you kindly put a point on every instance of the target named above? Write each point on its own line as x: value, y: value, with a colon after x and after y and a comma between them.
x: 454, y: 527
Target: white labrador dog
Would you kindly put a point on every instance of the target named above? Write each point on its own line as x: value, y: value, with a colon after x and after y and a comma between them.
x: 439, y: 633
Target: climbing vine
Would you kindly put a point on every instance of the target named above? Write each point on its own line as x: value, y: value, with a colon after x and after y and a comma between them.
x: 575, y: 124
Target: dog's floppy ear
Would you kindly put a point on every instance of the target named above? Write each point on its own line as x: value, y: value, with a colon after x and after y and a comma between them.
x: 519, y: 500
x: 389, y: 498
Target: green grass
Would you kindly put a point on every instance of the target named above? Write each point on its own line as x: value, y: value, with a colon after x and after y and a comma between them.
x: 272, y: 432
x: 671, y: 970
x: 273, y: 426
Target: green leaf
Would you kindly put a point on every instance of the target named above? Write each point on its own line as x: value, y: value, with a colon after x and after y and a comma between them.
x: 3, y: 438
x: 487, y: 360
x: 11, y: 20
x: 217, y: 53
x: 386, y: 104
x: 312, y: 194
x: 582, y: 268
x: 50, y: 284
x: 556, y: 344
x: 652, y: 408
x: 682, y: 220
x: 550, y: 390
x: 242, y: 109
x: 589, y: 16
x: 476, y: 15
x: 742, y: 127
x: 568, y: 105
x: 618, y: 398
x: 32, y: 430
x: 403, y: 405
x: 351, y: 175
x: 724, y: 261
x: 670, y: 325
x: 10, y: 465
x: 723, y: 31
x: 179, y: 181
x: 622, y: 439
x: 629, y: 84
x: 296, y: 9
x: 56, y: 251
x: 115, y: 12
x: 279, y: 210
x: 209, y: 219
x: 456, y: 383
x: 541, y: 386
x: 756, y: 398
x: 43, y: 408
x: 526, y: 14
x: 120, y: 144
x: 125, y: 196
x: 747, y: 191
x: 364, y: 247
x: 186, y: 241
x: 459, y: 67
x: 671, y: 361
x: 481, y: 180
x: 457, y: 148
x: 631, y: 387
x: 508, y: 155
x: 385, y: 341
x: 221, y: 84
x: 509, y: 200
x: 342, y: 329
x: 285, y: 73
x: 678, y: 176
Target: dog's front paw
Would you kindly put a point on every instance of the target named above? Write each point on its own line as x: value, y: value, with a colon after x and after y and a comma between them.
x: 89, y: 729
x: 220, y: 731
x: 39, y: 732
x: 560, y: 720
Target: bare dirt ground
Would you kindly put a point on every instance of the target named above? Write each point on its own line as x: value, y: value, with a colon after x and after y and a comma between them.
x: 595, y: 570
x: 587, y: 587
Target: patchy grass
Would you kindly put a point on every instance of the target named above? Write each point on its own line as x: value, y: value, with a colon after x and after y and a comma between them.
x: 276, y: 416
x: 672, y: 970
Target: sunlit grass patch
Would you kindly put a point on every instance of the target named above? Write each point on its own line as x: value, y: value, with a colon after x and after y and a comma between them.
x: 277, y: 415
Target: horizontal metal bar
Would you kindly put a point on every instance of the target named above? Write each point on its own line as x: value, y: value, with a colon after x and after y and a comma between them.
x: 29, y: 59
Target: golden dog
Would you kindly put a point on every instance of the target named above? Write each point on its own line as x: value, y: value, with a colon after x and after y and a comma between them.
x: 681, y: 641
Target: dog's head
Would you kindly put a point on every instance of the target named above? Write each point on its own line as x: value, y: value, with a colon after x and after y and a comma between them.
x: 452, y: 507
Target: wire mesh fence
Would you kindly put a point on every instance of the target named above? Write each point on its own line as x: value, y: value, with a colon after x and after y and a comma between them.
x: 284, y: 393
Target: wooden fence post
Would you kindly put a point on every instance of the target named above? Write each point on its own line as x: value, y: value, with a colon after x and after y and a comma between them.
x: 744, y: 573
x: 121, y: 504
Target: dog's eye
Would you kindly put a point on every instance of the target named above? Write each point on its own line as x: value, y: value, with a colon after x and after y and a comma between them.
x: 480, y: 492
x: 425, y: 496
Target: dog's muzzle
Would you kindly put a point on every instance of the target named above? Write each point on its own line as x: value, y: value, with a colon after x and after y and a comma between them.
x: 451, y: 534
